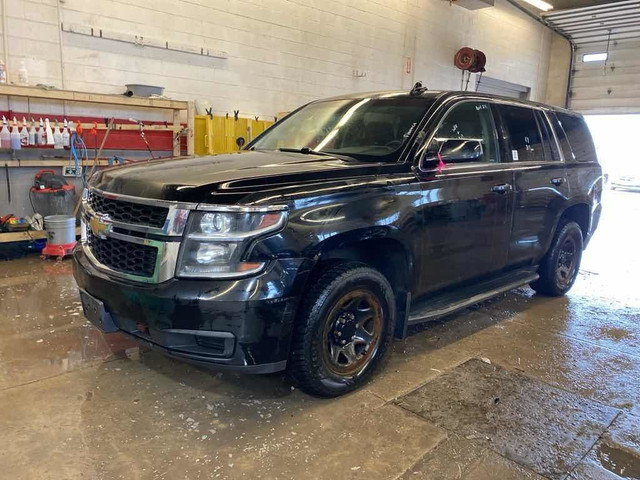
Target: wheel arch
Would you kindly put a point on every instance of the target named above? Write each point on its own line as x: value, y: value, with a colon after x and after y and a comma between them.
x: 579, y: 213
x: 387, y: 254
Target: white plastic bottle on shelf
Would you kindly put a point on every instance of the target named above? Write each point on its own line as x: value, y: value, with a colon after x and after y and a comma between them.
x: 48, y: 131
x: 33, y: 136
x: 15, y: 135
x: 5, y: 136
x: 65, y: 134
x: 42, y: 134
x: 23, y: 74
x: 57, y: 136
x: 3, y: 72
x: 24, y: 134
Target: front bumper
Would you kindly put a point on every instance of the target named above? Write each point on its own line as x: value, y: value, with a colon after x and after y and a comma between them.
x: 242, y: 325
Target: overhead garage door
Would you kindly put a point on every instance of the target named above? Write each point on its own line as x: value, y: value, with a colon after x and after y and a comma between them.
x: 606, y: 66
x: 500, y: 87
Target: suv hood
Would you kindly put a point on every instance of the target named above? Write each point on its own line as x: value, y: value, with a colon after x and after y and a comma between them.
x: 227, y: 178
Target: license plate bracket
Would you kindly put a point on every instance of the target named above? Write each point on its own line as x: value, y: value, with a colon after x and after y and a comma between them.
x: 96, y: 313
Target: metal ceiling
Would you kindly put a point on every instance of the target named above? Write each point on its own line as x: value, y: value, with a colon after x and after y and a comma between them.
x: 596, y: 24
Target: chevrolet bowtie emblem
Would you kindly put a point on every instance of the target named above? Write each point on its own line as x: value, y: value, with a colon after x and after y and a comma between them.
x: 101, y: 225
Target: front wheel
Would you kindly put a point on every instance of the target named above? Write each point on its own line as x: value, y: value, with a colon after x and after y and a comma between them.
x: 344, y: 330
x: 559, y: 267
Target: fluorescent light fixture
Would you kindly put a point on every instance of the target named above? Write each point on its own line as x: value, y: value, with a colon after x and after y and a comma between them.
x: 595, y: 57
x: 540, y: 4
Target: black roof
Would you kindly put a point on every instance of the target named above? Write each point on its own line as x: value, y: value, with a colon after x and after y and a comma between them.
x: 446, y: 95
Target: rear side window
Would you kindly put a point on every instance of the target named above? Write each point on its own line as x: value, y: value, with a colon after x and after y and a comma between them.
x: 578, y: 138
x: 551, y: 152
x: 524, y: 135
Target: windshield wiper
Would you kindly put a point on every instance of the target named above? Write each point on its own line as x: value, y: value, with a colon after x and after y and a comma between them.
x: 308, y: 151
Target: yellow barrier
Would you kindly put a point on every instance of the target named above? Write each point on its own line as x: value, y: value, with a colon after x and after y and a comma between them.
x: 219, y: 134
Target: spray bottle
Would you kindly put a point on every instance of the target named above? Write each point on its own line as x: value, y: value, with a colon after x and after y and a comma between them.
x: 33, y: 136
x: 5, y: 136
x: 48, y: 132
x: 24, y: 134
x: 42, y: 134
x: 15, y: 136
x: 57, y: 136
x: 23, y: 74
x: 65, y: 134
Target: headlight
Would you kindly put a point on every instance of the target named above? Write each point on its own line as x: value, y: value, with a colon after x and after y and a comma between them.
x: 216, y: 242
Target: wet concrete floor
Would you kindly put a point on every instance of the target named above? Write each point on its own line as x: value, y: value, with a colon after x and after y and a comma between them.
x: 519, y: 387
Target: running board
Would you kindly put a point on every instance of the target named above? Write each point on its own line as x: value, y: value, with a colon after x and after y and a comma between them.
x: 450, y: 302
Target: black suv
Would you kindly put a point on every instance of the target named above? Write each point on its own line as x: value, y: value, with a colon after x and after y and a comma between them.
x: 345, y: 223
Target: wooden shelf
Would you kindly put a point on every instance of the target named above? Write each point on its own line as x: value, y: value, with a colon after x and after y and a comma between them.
x: 106, y: 99
x: 50, y: 163
x: 26, y: 236
x: 73, y: 96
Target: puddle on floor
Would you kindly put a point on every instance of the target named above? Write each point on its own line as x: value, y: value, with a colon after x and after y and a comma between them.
x: 619, y: 461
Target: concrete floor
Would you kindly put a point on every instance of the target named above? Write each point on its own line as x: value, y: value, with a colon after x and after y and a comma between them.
x: 520, y: 387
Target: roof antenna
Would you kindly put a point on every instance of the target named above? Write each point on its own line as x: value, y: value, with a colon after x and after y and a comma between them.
x: 418, y: 89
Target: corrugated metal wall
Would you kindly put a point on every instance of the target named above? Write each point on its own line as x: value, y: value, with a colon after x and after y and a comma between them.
x: 614, y: 88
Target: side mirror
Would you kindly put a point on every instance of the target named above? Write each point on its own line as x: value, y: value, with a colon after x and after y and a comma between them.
x: 457, y: 150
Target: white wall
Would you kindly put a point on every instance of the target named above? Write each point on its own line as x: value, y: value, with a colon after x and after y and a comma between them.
x: 281, y: 53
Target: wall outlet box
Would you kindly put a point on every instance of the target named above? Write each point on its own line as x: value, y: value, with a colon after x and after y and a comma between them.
x: 72, y: 171
x: 474, y: 4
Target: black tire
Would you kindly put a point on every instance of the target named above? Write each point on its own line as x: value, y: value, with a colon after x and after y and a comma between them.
x: 559, y: 267
x: 317, y: 362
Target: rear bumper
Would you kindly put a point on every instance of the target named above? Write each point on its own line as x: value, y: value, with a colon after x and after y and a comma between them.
x: 242, y: 325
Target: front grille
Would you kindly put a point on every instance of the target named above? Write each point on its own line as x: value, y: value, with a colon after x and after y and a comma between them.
x: 124, y: 257
x: 128, y: 212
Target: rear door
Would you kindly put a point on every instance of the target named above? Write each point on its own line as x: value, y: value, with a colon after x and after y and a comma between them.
x: 466, y: 201
x: 540, y: 181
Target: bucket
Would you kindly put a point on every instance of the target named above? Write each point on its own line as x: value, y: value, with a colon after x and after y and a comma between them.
x: 61, y: 229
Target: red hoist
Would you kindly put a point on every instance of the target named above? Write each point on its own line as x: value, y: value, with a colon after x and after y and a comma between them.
x: 471, y: 61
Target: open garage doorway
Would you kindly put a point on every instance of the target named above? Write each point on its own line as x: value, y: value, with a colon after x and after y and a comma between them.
x: 613, y: 249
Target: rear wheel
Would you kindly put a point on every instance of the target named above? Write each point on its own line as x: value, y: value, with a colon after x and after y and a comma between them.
x: 344, y: 330
x: 559, y: 268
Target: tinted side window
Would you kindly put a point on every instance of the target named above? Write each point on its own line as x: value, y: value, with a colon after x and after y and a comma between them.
x: 466, y: 134
x: 562, y: 138
x: 551, y: 152
x: 523, y: 132
x: 579, y: 137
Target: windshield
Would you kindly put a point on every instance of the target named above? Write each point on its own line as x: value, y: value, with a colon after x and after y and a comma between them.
x: 369, y: 128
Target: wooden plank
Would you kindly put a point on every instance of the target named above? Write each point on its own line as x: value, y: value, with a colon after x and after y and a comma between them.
x: 191, y: 125
x: 124, y: 126
x: 176, y: 138
x: 73, y: 96
x: 26, y: 236
x: 47, y: 163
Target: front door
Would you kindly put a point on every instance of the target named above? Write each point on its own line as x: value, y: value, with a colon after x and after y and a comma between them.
x: 467, y: 196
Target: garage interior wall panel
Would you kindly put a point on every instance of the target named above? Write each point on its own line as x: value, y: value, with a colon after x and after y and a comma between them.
x: 610, y: 89
x: 280, y: 53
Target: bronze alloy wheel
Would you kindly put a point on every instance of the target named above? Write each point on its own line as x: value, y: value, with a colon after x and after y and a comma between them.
x: 352, y: 333
x: 566, y: 266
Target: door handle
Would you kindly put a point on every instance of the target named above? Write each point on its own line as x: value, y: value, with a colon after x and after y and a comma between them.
x: 502, y: 188
x: 558, y: 181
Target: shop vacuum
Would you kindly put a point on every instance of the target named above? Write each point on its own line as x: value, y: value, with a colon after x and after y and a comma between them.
x: 52, y: 195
